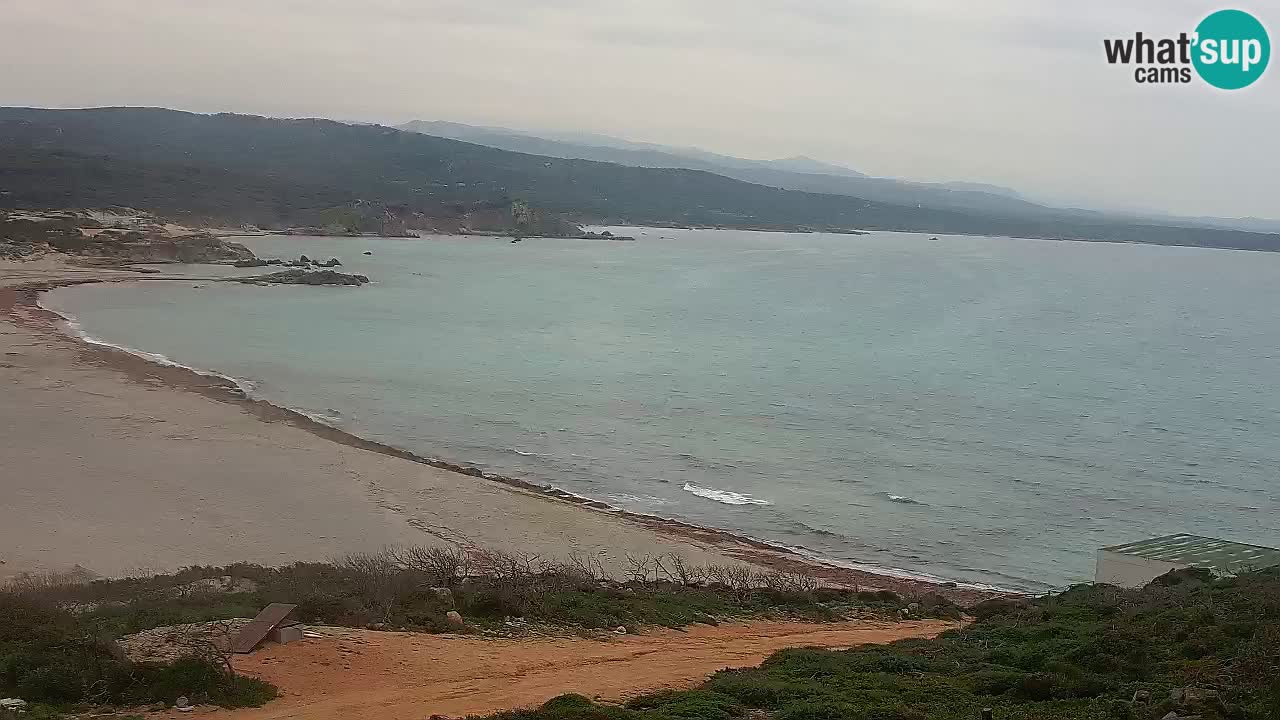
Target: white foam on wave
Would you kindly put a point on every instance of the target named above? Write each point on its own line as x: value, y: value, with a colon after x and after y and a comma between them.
x: 891, y: 571
x: 727, y: 497
x: 331, y: 420
x: 903, y: 499
x: 73, y: 327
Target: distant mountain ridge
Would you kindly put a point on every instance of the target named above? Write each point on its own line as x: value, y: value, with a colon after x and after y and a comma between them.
x: 604, y: 148
x: 270, y: 171
x: 795, y: 173
x: 805, y: 174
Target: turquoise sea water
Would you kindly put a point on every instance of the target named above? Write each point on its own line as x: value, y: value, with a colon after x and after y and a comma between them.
x: 984, y: 410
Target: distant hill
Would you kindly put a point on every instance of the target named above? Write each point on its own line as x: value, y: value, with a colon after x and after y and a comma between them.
x: 809, y: 175
x: 241, y: 168
x: 603, y: 148
x: 797, y: 173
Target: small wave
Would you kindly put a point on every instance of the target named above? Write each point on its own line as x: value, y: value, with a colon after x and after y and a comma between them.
x: 903, y: 499
x: 727, y: 497
x: 331, y: 418
x: 889, y: 571
x: 74, y: 327
x: 705, y: 464
x: 524, y: 453
x: 644, y: 500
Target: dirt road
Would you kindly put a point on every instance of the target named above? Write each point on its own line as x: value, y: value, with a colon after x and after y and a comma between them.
x: 395, y: 676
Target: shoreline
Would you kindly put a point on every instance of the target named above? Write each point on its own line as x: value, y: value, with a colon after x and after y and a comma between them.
x: 21, y: 305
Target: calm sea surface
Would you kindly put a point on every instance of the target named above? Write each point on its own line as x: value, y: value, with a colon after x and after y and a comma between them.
x: 984, y: 410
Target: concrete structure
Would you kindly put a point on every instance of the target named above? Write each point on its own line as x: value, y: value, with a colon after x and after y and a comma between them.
x: 285, y: 634
x: 1135, y: 564
x: 272, y: 617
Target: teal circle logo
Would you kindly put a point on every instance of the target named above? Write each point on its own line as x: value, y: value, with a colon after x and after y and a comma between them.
x: 1232, y: 49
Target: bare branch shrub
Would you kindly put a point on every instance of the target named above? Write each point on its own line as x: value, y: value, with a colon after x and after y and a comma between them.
x: 680, y: 571
x: 787, y: 582
x: 739, y: 578
x: 585, y: 566
x: 378, y: 579
x: 438, y: 567
x: 640, y: 568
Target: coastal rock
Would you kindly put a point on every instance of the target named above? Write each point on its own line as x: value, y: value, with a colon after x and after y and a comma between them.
x: 1193, y: 695
x: 142, y: 248
x: 443, y: 594
x: 366, y: 252
x: 224, y: 585
x: 454, y: 617
x: 255, y: 262
x: 16, y: 249
x: 331, y: 262
x: 305, y: 277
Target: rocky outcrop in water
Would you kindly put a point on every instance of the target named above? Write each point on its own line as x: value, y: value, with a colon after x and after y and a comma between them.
x: 306, y: 277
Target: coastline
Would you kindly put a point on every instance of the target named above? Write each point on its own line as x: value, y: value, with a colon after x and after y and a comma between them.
x: 20, y: 304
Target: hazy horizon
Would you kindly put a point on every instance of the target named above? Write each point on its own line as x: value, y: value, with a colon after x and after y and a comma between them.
x: 1011, y: 93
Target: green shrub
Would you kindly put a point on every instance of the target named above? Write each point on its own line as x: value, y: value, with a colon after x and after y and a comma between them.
x: 1078, y: 655
x: 694, y: 705
x: 51, y: 656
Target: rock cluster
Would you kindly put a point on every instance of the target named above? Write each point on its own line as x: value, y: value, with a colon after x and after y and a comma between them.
x: 306, y: 277
x: 305, y: 262
x: 166, y: 644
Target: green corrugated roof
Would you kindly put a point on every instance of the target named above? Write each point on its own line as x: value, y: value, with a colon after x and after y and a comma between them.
x: 1222, y: 556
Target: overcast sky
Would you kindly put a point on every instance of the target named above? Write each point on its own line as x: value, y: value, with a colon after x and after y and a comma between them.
x: 1011, y: 92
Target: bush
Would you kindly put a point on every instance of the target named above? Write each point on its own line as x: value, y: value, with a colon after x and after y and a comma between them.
x: 1078, y: 655
x: 50, y: 656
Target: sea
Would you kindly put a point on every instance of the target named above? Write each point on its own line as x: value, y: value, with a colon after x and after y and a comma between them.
x: 990, y: 411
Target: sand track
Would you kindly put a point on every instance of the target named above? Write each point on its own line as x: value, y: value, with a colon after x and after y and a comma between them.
x: 392, y: 676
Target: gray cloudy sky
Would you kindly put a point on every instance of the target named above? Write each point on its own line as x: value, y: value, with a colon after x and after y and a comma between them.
x: 1012, y: 92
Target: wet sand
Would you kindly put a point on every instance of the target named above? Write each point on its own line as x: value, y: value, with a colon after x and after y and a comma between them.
x: 121, y: 466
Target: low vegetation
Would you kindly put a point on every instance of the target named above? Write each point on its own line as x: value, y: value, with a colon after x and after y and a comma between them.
x: 58, y: 641
x: 1187, y: 644
x: 56, y: 657
x: 416, y: 588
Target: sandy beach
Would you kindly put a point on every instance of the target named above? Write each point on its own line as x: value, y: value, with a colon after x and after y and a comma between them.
x: 121, y: 466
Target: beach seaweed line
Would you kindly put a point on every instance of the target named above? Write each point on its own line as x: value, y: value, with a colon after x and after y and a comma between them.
x: 21, y: 303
